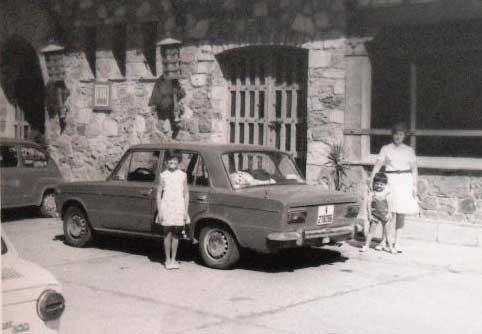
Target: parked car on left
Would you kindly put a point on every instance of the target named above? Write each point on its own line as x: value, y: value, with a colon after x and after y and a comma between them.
x: 32, y: 301
x: 29, y: 176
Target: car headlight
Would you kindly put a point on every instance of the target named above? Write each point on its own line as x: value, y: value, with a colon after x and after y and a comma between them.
x: 50, y: 305
x: 352, y: 210
x: 297, y: 216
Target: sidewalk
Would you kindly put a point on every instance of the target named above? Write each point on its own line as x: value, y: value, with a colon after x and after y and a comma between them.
x: 461, y: 234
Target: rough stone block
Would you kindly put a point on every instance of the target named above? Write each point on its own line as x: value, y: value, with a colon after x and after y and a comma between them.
x: 303, y: 24
x: 449, y: 186
x: 139, y: 124
x: 339, y: 87
x: 319, y: 59
x: 322, y: 20
x: 334, y: 73
x: 203, y: 67
x: 457, y: 234
x: 200, y: 29
x: 428, y: 203
x: 110, y: 127
x: 198, y: 80
x: 467, y: 206
x: 317, y: 153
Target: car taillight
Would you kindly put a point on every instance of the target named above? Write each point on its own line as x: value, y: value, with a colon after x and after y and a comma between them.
x: 50, y: 305
x: 352, y: 210
x: 297, y: 216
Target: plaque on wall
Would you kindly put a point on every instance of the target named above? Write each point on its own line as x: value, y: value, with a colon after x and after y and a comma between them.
x: 102, y: 96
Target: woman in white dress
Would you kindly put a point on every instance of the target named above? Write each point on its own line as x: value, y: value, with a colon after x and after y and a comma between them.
x: 401, y: 168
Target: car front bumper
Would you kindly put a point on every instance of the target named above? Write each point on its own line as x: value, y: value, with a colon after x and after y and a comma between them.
x: 310, y: 237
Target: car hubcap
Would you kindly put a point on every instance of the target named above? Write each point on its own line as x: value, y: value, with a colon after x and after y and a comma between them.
x: 217, y: 244
x: 77, y: 226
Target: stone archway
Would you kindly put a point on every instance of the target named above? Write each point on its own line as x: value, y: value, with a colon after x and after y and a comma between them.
x: 23, y: 88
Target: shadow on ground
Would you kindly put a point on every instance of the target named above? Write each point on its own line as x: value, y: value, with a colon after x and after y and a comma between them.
x: 9, y: 215
x: 285, y: 261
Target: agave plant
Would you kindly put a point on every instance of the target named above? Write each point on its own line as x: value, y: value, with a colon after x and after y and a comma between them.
x: 335, y: 160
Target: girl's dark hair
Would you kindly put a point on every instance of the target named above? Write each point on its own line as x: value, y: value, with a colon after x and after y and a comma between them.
x: 380, y: 177
x: 399, y: 127
x: 173, y: 154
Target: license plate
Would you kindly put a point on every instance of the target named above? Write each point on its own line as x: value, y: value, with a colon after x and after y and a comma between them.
x: 325, y: 214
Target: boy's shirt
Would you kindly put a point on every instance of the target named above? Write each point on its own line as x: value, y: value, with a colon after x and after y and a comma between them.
x: 378, y: 205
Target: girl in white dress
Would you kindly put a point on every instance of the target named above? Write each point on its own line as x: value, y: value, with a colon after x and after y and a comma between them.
x: 401, y: 168
x: 172, y: 205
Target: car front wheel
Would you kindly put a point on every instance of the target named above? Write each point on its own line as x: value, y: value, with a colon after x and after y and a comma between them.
x: 218, y: 247
x: 77, y: 230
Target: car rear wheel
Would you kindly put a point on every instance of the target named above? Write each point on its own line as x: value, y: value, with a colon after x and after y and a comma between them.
x: 218, y: 247
x: 77, y: 230
x: 48, y: 208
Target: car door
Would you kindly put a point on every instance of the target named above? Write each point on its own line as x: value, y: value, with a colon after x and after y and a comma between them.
x: 33, y: 173
x: 198, y: 182
x: 128, y: 196
x: 11, y: 196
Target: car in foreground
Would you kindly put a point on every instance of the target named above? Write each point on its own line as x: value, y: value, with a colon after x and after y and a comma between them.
x: 31, y: 297
x: 28, y: 175
x: 241, y: 196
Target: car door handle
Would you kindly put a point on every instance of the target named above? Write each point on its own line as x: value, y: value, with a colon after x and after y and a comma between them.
x: 146, y: 192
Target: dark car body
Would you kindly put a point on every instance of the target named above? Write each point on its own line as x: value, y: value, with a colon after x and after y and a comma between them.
x: 257, y: 217
x: 28, y: 175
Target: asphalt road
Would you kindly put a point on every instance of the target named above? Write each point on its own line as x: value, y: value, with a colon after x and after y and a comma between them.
x: 120, y: 286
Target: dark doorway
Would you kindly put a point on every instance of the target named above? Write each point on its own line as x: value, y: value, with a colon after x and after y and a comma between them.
x: 22, y: 83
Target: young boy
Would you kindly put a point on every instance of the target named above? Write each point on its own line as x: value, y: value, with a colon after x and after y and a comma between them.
x: 378, y: 208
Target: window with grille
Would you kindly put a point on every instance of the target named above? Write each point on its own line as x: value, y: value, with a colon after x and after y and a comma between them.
x: 267, y: 98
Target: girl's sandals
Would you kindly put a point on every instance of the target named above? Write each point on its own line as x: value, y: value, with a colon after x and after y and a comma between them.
x: 364, y: 249
x: 379, y: 247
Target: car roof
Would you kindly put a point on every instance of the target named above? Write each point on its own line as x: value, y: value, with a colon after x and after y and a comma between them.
x: 205, y: 147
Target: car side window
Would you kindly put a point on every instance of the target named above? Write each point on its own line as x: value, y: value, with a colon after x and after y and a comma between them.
x: 33, y: 157
x: 193, y: 165
x: 8, y: 156
x: 138, y: 166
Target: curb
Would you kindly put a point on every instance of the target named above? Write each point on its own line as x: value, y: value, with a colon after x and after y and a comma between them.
x: 443, y: 232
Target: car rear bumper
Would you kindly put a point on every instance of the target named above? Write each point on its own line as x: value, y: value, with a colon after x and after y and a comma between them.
x: 307, y: 237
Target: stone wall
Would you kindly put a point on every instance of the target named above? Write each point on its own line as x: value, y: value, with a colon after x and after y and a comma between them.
x: 91, y: 142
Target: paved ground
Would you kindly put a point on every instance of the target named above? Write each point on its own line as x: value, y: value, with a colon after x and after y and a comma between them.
x: 120, y: 286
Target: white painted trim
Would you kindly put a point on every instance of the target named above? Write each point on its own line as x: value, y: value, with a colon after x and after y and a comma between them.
x: 441, y: 163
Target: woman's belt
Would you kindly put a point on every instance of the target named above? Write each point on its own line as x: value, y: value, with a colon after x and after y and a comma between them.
x: 398, y: 171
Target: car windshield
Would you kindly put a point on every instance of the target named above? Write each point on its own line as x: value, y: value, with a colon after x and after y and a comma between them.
x: 250, y: 168
x: 4, y: 247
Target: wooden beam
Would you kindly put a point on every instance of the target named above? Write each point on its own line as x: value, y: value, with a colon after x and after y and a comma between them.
x: 432, y: 133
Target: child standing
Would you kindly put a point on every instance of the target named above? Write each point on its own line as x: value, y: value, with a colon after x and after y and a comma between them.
x: 378, y: 207
x: 172, y: 205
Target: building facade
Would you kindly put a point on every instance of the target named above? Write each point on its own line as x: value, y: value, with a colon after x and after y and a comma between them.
x: 310, y: 77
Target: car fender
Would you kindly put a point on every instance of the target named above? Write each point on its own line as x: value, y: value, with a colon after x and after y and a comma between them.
x: 44, y: 188
x: 222, y: 219
x: 72, y: 199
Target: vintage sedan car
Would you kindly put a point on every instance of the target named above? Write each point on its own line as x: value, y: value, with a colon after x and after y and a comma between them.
x: 29, y: 176
x: 31, y: 297
x: 241, y: 196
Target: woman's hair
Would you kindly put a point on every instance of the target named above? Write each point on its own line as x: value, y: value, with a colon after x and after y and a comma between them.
x: 380, y: 177
x: 399, y: 127
x: 173, y: 154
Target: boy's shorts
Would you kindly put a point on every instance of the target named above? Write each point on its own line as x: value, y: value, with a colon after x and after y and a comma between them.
x: 174, y: 229
x: 378, y: 221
